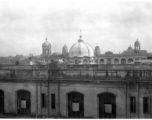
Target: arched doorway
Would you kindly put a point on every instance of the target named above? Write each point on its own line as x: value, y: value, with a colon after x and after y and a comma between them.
x: 23, y: 102
x: 1, y: 102
x: 107, y: 105
x: 75, y: 105
x: 101, y: 61
x: 123, y: 61
x: 130, y: 60
x: 116, y: 61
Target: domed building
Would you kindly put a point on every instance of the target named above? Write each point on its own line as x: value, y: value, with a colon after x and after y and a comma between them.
x: 77, y: 87
x: 97, y: 51
x: 137, y: 46
x: 46, y: 48
x: 64, y: 50
x: 81, y: 53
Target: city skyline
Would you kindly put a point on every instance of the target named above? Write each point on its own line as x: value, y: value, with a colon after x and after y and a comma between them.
x: 113, y: 26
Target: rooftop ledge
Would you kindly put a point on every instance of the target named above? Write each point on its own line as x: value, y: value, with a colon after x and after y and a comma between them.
x: 79, y: 67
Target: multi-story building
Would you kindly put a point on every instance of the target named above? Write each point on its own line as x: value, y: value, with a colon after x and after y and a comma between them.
x: 86, y: 84
x: 83, y: 53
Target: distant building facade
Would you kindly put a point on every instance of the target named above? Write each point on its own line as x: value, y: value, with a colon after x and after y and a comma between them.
x: 82, y: 53
x: 76, y: 91
x: 79, y: 83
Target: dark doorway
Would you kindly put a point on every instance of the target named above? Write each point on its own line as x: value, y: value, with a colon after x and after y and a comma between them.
x: 1, y: 102
x: 23, y: 102
x: 107, y: 105
x: 75, y: 105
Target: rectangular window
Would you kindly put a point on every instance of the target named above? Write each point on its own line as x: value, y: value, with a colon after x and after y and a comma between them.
x: 75, y: 106
x: 23, y: 103
x: 53, y: 101
x: 108, y: 108
x: 43, y: 100
x: 145, y: 104
x: 132, y: 105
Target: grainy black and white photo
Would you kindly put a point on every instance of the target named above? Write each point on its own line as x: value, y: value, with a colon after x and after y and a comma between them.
x: 75, y: 59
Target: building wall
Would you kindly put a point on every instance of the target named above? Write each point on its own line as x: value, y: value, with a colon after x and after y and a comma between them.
x: 91, y: 98
x: 10, y: 95
x: 90, y: 91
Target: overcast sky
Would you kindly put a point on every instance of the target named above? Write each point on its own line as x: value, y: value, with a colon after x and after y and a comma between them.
x: 24, y: 25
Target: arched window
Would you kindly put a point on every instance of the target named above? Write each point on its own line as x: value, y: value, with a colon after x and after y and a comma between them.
x: 116, y: 61
x: 130, y: 60
x: 75, y: 105
x: 85, y: 61
x: 101, y: 61
x: 123, y: 61
x: 107, y: 105
x: 23, y: 102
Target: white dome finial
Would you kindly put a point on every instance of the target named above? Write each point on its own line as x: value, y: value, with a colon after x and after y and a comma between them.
x: 80, y: 33
x: 80, y: 40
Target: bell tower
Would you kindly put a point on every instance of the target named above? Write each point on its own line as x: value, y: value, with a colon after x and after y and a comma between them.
x: 137, y: 46
x: 64, y: 50
x: 46, y: 48
x: 97, y: 51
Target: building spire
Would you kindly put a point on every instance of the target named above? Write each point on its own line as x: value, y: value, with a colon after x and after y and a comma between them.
x: 80, y: 33
x: 80, y: 40
x: 46, y: 38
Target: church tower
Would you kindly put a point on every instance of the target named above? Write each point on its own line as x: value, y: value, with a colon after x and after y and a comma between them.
x: 137, y: 46
x: 64, y: 50
x: 46, y: 48
x: 97, y: 51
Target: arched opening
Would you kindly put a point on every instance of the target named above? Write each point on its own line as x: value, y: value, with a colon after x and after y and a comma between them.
x: 75, y: 105
x: 107, y: 105
x: 101, y: 61
x: 123, y: 61
x: 116, y: 61
x: 85, y: 61
x: 23, y: 102
x: 130, y: 60
x: 1, y: 102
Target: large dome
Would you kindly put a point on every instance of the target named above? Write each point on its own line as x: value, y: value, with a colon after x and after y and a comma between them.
x: 137, y: 43
x: 81, y: 49
x: 46, y: 44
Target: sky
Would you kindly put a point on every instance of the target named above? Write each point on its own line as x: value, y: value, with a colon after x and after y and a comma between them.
x: 113, y: 26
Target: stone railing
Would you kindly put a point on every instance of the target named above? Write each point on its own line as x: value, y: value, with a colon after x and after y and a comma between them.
x: 99, y: 72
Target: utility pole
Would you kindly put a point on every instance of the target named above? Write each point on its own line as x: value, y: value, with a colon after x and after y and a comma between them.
x: 48, y: 90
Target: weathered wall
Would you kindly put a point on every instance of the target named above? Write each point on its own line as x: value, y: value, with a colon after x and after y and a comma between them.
x: 90, y: 92
x: 91, y: 98
x: 10, y: 95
